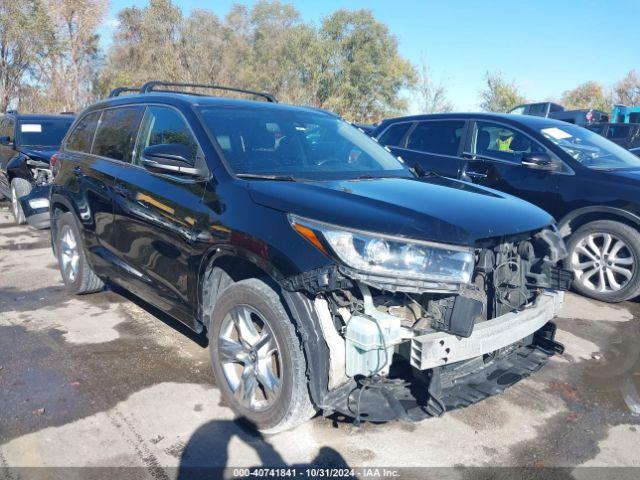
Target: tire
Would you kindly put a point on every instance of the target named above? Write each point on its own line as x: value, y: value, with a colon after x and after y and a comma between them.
x: 19, y: 188
x: 81, y: 278
x: 605, y: 252
x: 270, y: 410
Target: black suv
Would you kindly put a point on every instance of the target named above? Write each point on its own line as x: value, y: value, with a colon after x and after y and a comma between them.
x: 27, y: 143
x: 589, y: 184
x: 325, y: 273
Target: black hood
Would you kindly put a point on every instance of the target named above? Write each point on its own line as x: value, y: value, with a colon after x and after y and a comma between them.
x: 43, y: 154
x: 436, y: 209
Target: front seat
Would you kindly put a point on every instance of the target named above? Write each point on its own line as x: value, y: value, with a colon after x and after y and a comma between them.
x: 482, y: 142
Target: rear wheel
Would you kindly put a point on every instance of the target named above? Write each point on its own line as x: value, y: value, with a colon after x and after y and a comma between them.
x: 19, y: 188
x: 604, y: 256
x: 257, y: 357
x: 77, y: 274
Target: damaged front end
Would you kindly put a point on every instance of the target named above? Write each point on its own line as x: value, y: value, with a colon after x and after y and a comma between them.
x: 35, y: 205
x: 414, y: 329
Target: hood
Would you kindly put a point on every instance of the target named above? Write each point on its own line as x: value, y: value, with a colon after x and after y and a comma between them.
x: 40, y: 153
x: 436, y: 208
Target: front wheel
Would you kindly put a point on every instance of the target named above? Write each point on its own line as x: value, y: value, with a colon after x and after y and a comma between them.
x: 257, y: 357
x: 604, y: 256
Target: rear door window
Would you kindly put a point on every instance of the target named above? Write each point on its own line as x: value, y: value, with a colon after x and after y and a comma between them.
x: 116, y: 133
x: 81, y: 139
x: 502, y: 143
x: 165, y: 126
x: 393, y: 135
x: 438, y: 137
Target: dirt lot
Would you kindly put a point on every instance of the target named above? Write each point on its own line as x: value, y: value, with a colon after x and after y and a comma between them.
x: 99, y: 380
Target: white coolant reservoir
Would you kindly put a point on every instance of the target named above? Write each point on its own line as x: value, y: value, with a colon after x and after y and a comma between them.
x: 370, y: 340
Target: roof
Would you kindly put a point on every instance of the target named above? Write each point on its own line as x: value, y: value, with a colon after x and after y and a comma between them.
x: 184, y: 99
x: 528, y: 120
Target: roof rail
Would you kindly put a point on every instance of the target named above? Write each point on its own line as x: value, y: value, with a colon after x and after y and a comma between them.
x: 117, y: 91
x: 151, y: 87
x: 67, y: 113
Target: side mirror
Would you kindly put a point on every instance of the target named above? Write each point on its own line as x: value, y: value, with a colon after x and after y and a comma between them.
x: 170, y: 158
x: 539, y: 161
x: 4, y: 140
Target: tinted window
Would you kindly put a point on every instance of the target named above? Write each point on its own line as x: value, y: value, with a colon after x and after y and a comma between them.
x: 599, y: 129
x: 634, y: 117
x: 497, y: 141
x: 441, y: 137
x: 163, y: 125
x: 394, y: 134
x: 43, y: 132
x: 117, y: 132
x: 81, y: 138
x: 618, y: 131
x: 302, y: 144
x: 539, y: 109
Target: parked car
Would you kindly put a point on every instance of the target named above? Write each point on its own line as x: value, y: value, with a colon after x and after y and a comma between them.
x: 627, y: 135
x: 555, y: 111
x: 589, y: 184
x: 326, y: 275
x: 27, y: 143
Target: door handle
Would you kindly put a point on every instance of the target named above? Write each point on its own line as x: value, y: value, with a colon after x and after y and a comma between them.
x: 122, y: 190
x: 473, y: 174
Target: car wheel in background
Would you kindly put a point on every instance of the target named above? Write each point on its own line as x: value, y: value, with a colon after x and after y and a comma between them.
x: 604, y: 256
x: 77, y: 275
x: 257, y: 357
x: 19, y: 188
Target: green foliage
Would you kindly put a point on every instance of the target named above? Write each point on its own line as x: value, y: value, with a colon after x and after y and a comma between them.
x: 588, y: 95
x: 500, y: 95
x: 350, y: 64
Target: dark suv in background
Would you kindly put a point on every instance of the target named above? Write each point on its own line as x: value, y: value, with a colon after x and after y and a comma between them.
x: 589, y: 184
x: 27, y: 143
x: 326, y: 274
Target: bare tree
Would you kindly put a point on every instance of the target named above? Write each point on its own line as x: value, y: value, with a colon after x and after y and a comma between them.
x: 627, y: 90
x: 433, y: 96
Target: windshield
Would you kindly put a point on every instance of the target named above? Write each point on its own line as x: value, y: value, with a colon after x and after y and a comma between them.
x: 590, y: 149
x: 43, y: 132
x: 297, y: 144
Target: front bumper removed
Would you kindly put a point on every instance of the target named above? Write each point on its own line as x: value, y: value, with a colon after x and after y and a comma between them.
x: 440, y: 348
x: 507, y: 350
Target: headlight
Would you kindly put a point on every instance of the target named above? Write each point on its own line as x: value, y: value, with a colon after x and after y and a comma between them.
x: 387, y: 256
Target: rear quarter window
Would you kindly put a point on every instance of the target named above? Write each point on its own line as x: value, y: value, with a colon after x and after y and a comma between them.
x: 393, y: 135
x: 81, y: 138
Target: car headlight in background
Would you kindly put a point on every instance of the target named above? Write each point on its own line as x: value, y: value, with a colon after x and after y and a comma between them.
x: 387, y: 256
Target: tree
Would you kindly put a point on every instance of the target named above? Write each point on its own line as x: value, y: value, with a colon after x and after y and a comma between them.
x: 587, y: 95
x: 499, y: 95
x: 627, y: 90
x: 23, y: 31
x: 433, y: 96
x: 364, y: 71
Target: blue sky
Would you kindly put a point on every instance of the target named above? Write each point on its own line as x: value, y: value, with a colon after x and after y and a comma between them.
x: 545, y: 46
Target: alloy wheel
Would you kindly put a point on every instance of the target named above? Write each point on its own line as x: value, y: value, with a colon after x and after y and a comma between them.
x: 250, y: 358
x: 602, y: 262
x: 69, y: 254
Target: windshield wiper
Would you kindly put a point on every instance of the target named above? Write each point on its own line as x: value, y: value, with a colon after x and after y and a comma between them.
x: 257, y: 176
